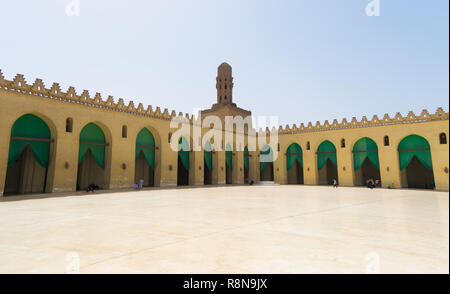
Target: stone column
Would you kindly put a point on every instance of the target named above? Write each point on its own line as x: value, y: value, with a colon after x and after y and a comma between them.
x: 5, y: 134
x: 169, y: 166
x: 66, y: 163
x: 221, y: 171
x: 389, y: 165
x: 238, y: 167
x: 345, y: 166
x: 197, y: 169
x: 440, y: 160
x: 279, y: 168
x: 310, y: 172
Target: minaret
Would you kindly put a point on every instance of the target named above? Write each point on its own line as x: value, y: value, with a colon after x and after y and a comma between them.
x: 225, y: 106
x: 224, y: 84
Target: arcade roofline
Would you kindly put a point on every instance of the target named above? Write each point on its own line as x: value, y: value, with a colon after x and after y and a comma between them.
x: 19, y: 84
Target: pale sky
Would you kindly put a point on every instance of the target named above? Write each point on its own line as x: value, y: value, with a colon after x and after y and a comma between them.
x: 303, y: 60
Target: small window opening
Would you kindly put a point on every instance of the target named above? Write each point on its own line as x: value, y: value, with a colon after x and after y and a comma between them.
x: 69, y: 125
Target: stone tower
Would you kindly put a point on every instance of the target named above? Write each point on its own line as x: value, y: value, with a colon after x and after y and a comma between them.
x: 225, y: 106
x: 224, y: 84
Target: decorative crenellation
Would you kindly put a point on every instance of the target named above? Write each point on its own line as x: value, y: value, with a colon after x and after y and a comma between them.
x: 19, y: 84
x: 424, y: 116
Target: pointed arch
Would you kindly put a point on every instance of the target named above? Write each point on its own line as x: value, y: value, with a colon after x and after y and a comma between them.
x: 30, y: 130
x: 228, y: 156
x: 294, y: 164
x: 208, y: 155
x: 414, y: 145
x: 144, y: 168
x: 183, y: 162
x: 208, y: 163
x: 92, y: 138
x: 266, y: 156
x: 183, y: 151
x: 294, y: 153
x: 416, y: 167
x: 326, y: 151
x: 92, y: 154
x: 30, y: 152
x: 228, y: 164
x: 327, y: 163
x: 365, y: 161
x: 365, y: 148
x: 266, y: 163
x: 246, y: 158
x: 246, y: 164
x: 145, y: 143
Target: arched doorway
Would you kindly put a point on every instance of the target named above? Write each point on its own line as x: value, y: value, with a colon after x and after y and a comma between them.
x: 294, y: 164
x: 415, y: 162
x: 366, y: 163
x: 91, y: 157
x: 208, y: 164
x: 266, y: 164
x: 229, y: 164
x: 183, y: 162
x: 327, y: 163
x: 144, y: 170
x: 246, y: 165
x: 28, y: 158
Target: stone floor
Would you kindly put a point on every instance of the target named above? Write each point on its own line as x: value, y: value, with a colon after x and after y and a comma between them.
x: 235, y: 229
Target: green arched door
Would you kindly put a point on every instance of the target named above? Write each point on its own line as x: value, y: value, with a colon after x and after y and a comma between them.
x: 266, y: 163
x: 145, y: 159
x: 246, y: 165
x: 327, y: 163
x: 365, y: 161
x: 91, y: 157
x: 229, y: 164
x: 208, y: 164
x: 183, y: 162
x: 28, y: 157
x: 294, y: 164
x: 415, y: 162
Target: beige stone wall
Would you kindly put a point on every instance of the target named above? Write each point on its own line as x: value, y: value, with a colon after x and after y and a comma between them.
x: 388, y: 155
x: 17, y: 99
x: 65, y: 145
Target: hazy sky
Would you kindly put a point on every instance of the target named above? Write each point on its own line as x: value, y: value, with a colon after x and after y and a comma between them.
x: 303, y: 60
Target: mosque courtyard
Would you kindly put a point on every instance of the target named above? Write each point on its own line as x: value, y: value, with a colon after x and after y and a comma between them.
x: 228, y: 229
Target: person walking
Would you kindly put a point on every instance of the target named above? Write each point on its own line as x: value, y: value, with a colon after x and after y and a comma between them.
x: 141, y: 183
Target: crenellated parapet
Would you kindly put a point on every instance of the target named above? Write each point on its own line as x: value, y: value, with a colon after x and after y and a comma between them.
x: 19, y: 84
x: 424, y: 116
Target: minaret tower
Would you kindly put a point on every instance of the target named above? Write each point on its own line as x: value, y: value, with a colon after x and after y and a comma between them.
x: 225, y: 106
x: 224, y: 84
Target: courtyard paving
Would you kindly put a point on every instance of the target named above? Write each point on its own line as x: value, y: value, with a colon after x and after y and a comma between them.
x: 234, y: 229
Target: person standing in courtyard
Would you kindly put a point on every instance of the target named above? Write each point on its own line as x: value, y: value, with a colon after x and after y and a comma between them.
x: 335, y: 184
x: 141, y: 183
